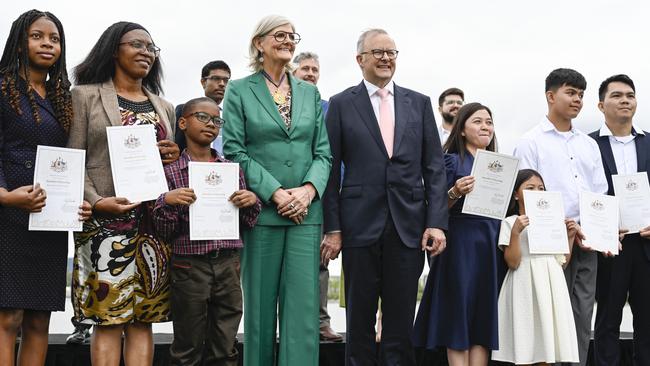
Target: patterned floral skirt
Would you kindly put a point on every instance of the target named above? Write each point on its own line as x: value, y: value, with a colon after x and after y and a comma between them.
x: 121, y: 270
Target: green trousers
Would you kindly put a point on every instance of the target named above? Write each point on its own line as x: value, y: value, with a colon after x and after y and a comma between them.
x: 280, y: 281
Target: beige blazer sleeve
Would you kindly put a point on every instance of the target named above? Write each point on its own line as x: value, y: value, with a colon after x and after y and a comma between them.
x: 78, y: 139
x: 95, y: 107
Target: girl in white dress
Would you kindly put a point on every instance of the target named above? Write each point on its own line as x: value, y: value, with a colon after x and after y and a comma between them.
x: 535, y: 318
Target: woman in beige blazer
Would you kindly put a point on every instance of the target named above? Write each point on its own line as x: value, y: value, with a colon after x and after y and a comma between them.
x: 121, y: 275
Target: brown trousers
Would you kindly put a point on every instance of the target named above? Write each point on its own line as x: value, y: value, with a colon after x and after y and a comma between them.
x: 206, y: 303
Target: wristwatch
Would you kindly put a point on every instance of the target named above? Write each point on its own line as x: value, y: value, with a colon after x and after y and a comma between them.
x: 453, y: 196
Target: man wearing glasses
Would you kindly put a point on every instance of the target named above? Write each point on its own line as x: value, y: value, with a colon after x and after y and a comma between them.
x: 214, y: 78
x: 389, y: 208
x: 449, y: 103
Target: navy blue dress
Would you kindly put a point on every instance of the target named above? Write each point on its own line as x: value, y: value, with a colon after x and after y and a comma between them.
x: 32, y: 263
x: 459, y: 304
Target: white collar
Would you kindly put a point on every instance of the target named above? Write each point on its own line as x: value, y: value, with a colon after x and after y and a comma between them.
x: 547, y: 125
x: 605, y: 131
x: 372, y: 88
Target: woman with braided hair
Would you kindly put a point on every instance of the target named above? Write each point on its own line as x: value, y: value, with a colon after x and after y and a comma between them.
x: 35, y: 109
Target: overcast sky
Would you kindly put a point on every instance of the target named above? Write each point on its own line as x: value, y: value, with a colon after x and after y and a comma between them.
x: 498, y: 52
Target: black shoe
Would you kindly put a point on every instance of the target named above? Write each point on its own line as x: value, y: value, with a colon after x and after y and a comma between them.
x: 80, y: 335
x: 328, y: 335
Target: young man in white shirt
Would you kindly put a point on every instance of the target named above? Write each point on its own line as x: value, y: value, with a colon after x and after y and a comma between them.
x: 625, y: 149
x: 569, y: 161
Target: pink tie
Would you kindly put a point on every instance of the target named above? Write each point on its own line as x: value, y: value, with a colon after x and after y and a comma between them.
x: 386, y: 121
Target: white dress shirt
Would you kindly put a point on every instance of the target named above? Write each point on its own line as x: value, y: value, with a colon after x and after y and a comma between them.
x: 623, y: 149
x: 567, y: 161
x: 375, y: 98
x: 444, y: 135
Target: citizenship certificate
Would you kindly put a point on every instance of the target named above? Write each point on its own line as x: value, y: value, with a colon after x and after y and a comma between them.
x: 633, y: 192
x: 212, y: 216
x: 599, y: 221
x: 495, y: 177
x: 547, y: 230
x: 136, y: 166
x: 61, y: 173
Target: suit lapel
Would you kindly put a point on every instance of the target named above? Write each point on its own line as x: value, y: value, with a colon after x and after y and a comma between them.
x: 608, y: 155
x: 261, y: 92
x: 160, y: 110
x: 362, y: 104
x: 109, y: 101
x: 297, y: 102
x: 402, y: 106
x: 641, y: 153
x: 43, y: 102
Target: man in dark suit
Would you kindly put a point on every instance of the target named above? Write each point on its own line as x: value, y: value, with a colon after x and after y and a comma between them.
x: 390, y: 205
x: 625, y: 149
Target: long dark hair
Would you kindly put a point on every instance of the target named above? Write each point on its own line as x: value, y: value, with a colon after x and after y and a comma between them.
x: 522, y: 176
x: 15, y: 59
x: 456, y: 141
x: 99, y: 65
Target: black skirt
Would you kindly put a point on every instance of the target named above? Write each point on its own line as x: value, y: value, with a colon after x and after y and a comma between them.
x: 32, y: 268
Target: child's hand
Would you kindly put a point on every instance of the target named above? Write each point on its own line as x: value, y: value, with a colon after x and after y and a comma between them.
x: 243, y: 198
x: 574, y: 232
x: 571, y: 229
x: 520, y: 224
x: 180, y: 196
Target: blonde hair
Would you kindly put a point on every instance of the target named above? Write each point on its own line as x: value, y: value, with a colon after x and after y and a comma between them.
x: 264, y: 26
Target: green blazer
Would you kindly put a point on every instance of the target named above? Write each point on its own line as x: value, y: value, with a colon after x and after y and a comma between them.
x: 271, y: 156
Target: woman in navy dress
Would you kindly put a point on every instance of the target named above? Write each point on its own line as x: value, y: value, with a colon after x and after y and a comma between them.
x: 35, y: 109
x: 459, y: 305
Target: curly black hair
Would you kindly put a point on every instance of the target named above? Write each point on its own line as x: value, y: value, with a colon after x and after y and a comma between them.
x: 15, y: 58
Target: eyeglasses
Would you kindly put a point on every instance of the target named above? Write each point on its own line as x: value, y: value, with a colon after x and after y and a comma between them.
x: 205, y: 118
x: 282, y: 36
x: 452, y: 102
x: 216, y: 78
x: 379, y: 54
x: 141, y: 46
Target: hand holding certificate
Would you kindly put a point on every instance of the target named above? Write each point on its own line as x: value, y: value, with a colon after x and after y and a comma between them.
x: 137, y: 169
x: 547, y: 230
x: 212, y: 216
x: 60, y: 172
x: 633, y: 192
x: 599, y: 221
x: 495, y: 176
